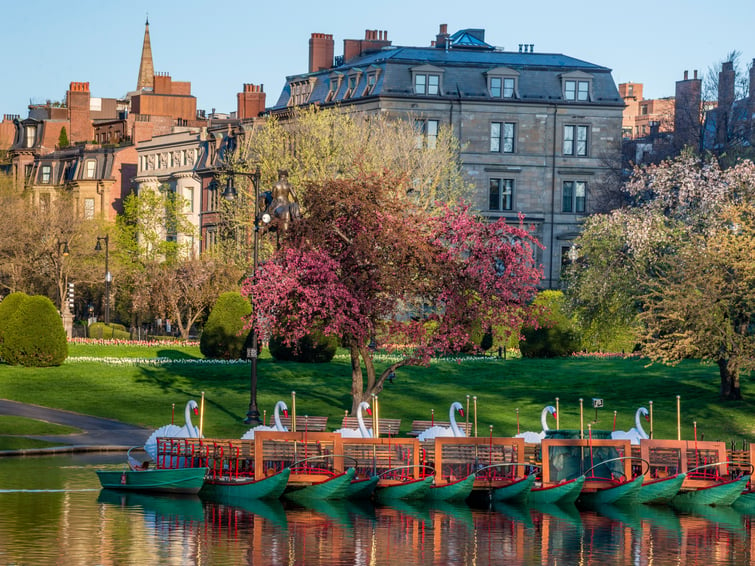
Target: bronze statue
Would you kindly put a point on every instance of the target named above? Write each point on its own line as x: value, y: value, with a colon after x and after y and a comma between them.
x: 279, y: 204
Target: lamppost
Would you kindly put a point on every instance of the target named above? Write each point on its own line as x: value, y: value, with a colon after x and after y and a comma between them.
x: 98, y: 248
x: 253, y: 414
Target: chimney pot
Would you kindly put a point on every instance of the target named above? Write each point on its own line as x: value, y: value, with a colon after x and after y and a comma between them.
x: 686, y: 73
x: 695, y: 73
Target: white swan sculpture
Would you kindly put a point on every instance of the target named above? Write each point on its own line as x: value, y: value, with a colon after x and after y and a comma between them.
x: 453, y: 430
x: 174, y: 431
x: 278, y: 426
x: 633, y: 434
x: 531, y: 437
x: 362, y: 431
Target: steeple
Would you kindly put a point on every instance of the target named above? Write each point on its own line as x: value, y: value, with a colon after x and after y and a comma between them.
x: 146, y: 68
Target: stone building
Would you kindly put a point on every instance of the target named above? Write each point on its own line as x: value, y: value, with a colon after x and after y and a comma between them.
x: 539, y: 131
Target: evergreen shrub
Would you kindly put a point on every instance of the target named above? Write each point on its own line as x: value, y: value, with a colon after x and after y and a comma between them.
x: 112, y: 331
x: 555, y: 336
x: 315, y: 347
x: 34, y: 335
x: 222, y: 336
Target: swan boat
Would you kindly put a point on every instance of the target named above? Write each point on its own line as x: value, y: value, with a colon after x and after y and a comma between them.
x: 457, y: 490
x: 142, y: 478
x: 241, y: 487
x: 660, y: 490
x: 565, y: 492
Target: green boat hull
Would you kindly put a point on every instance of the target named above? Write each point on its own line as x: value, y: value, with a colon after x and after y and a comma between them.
x: 746, y: 502
x: 333, y: 488
x: 517, y: 491
x: 456, y: 491
x: 178, y: 480
x: 661, y: 491
x: 362, y: 488
x: 566, y: 492
x: 723, y: 494
x: 621, y: 494
x: 414, y: 489
x: 271, y: 487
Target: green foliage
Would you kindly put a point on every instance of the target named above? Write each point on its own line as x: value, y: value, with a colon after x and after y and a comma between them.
x: 222, y: 336
x: 112, y: 331
x: 315, y: 347
x: 63, y: 138
x: 34, y: 335
x: 8, y: 307
x: 555, y: 335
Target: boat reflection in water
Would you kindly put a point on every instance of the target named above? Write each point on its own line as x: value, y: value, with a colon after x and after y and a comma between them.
x: 342, y: 532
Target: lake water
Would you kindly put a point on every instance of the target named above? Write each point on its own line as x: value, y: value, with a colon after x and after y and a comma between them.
x: 53, y: 512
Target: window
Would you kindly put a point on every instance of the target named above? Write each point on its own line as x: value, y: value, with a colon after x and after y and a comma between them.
x: 352, y: 86
x: 501, y: 194
x: 91, y: 168
x: 88, y: 208
x: 46, y: 174
x: 427, y: 132
x: 575, y: 140
x: 644, y: 109
x: 31, y: 135
x: 300, y: 92
x: 371, y: 82
x: 576, y: 90
x: 502, y: 137
x: 573, y: 196
x: 212, y: 197
x: 426, y: 83
x: 334, y: 83
x: 502, y: 82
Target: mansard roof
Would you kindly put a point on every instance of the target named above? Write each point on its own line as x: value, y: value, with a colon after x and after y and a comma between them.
x: 464, y: 74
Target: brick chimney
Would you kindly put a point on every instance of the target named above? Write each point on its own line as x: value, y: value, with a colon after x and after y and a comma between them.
x: 251, y: 102
x: 79, y: 121
x: 321, y: 50
x: 374, y: 40
x: 725, y: 101
x: 687, y: 111
x: 442, y: 37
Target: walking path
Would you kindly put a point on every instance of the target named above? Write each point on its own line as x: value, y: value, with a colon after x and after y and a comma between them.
x: 98, y: 433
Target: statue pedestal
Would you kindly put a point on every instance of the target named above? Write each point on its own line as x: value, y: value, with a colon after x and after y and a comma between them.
x: 67, y: 317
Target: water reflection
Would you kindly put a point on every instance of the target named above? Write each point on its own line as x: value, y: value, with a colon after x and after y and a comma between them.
x: 67, y: 519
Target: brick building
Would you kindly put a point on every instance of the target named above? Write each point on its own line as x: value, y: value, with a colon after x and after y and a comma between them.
x: 644, y: 116
x: 732, y: 123
x: 539, y: 131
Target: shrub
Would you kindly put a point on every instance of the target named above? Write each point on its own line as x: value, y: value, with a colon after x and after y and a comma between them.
x: 315, y: 347
x: 8, y: 306
x: 113, y: 331
x: 222, y: 336
x: 556, y: 335
x: 34, y: 335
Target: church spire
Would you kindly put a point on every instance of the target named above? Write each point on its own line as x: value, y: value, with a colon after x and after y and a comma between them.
x: 146, y: 68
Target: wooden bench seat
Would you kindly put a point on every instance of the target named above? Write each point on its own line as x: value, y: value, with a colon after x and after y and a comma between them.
x: 306, y: 422
x: 387, y: 426
x: 418, y: 427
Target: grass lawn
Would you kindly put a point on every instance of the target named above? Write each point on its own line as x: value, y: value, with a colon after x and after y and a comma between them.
x: 12, y: 425
x: 144, y: 393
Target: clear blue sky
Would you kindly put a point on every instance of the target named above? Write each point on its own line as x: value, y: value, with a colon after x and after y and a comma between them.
x: 219, y: 46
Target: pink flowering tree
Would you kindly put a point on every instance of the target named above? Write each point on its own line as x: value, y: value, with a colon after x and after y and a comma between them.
x: 364, y: 263
x: 680, y: 262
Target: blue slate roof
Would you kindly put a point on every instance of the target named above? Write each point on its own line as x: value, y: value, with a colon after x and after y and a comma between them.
x: 463, y: 73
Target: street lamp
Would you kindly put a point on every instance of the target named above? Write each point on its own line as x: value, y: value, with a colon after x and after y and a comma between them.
x: 97, y: 248
x: 253, y: 414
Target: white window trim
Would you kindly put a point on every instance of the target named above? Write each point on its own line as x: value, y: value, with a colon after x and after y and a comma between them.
x: 427, y: 71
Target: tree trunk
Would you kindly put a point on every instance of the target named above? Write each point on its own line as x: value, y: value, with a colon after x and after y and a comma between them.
x: 357, y: 383
x: 729, y: 370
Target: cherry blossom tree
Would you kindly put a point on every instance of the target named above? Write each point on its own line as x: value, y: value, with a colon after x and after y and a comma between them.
x: 365, y: 262
x: 681, y: 262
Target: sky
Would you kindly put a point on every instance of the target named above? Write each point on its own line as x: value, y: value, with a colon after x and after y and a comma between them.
x: 219, y: 46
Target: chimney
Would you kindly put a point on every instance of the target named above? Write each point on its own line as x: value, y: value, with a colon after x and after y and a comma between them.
x: 79, y: 122
x: 321, y: 50
x: 442, y: 38
x: 374, y: 40
x: 752, y: 83
x: 251, y: 102
x: 687, y: 112
x: 726, y: 86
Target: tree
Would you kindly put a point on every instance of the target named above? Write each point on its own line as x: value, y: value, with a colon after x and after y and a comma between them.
x: 184, y: 291
x: 679, y: 262
x: 315, y: 146
x: 63, y: 138
x: 222, y: 336
x: 33, y: 334
x: 365, y: 262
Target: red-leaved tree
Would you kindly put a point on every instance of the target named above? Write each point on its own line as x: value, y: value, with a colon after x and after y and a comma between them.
x: 363, y: 263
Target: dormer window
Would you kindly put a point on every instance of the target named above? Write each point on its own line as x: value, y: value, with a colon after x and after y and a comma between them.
x: 372, y: 77
x: 46, y: 174
x: 427, y: 80
x: 503, y: 83
x: 353, y: 81
x: 334, y: 83
x: 30, y: 135
x: 577, y: 87
x: 91, y: 168
x: 300, y: 91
